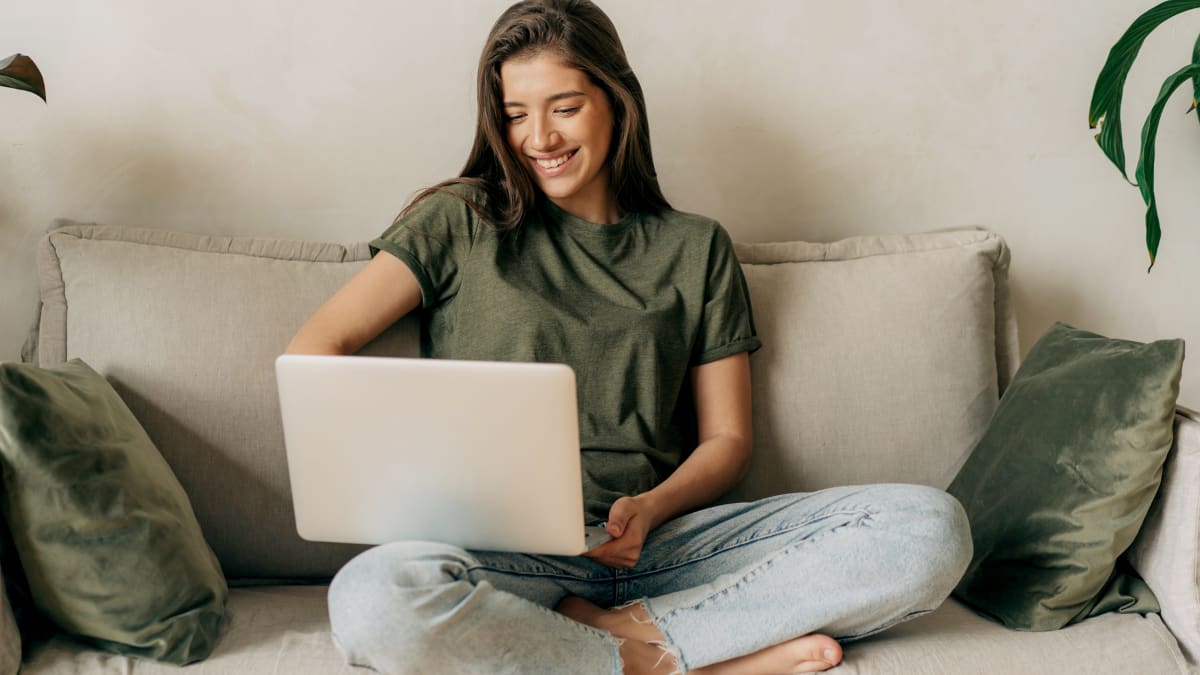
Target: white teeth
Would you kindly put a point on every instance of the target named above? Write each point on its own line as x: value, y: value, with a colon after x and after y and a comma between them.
x: 557, y: 161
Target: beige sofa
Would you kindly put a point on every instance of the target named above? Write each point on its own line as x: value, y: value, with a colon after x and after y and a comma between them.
x: 883, y: 360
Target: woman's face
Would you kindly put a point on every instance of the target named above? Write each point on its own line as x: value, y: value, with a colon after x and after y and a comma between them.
x: 560, y: 125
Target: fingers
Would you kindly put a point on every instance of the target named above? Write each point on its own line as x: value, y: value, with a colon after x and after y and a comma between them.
x: 617, y: 550
x: 617, y: 554
x: 619, y: 563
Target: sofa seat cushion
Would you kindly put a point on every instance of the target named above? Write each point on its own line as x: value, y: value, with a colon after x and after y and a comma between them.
x: 285, y: 630
x: 267, y: 629
x: 956, y: 640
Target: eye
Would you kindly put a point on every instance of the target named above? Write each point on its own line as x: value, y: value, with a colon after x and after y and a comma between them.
x: 515, y: 118
x: 567, y: 111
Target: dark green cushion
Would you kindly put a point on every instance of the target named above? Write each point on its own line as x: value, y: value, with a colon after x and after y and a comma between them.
x: 103, y: 530
x: 1061, y: 481
x: 1058, y: 486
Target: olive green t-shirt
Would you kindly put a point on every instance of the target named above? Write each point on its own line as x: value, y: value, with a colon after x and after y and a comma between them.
x: 630, y: 306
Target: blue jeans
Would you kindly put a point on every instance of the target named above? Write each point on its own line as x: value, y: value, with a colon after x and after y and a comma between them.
x: 718, y: 583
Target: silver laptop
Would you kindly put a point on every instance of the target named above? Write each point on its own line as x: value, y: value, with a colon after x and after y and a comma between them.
x: 480, y: 454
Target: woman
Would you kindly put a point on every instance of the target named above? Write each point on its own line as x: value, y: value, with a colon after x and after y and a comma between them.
x: 556, y: 244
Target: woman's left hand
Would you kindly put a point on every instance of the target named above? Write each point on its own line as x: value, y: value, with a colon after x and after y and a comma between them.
x: 629, y: 521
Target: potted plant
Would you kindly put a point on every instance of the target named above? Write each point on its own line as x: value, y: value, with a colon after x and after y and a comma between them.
x: 1106, y: 106
x: 20, y: 72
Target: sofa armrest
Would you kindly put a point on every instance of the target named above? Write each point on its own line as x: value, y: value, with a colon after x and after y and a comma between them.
x: 1167, y: 549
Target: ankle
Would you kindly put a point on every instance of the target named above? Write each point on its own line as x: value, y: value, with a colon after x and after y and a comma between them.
x: 641, y: 658
x: 632, y: 621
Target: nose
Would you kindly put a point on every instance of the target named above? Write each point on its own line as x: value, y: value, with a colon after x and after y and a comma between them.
x: 544, y: 136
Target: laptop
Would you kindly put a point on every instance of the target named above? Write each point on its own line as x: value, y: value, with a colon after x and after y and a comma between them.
x: 480, y: 454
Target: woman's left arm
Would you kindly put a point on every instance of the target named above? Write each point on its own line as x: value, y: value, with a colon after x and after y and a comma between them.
x: 722, y: 391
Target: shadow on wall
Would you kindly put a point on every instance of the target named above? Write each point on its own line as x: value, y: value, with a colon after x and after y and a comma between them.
x: 18, y: 281
x: 1038, y: 306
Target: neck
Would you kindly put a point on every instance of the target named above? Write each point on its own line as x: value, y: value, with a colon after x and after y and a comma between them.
x: 599, y: 207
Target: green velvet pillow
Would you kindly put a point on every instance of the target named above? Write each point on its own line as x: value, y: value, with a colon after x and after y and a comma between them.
x: 104, y: 532
x: 1058, y: 486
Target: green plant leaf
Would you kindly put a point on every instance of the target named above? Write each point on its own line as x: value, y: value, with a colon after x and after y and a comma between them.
x: 1105, y: 110
x: 1196, y: 80
x: 20, y: 72
x: 1145, y: 167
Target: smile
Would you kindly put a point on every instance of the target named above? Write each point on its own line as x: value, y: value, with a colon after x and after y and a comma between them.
x: 553, y: 166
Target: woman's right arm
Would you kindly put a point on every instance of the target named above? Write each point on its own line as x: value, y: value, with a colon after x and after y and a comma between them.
x: 375, y: 298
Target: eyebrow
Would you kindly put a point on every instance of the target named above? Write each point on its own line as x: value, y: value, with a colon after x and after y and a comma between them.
x: 554, y: 97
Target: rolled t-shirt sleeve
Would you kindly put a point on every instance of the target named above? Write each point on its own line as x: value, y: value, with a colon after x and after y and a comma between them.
x: 727, y: 320
x: 434, y: 239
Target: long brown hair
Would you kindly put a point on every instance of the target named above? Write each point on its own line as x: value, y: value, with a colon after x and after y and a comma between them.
x: 584, y: 37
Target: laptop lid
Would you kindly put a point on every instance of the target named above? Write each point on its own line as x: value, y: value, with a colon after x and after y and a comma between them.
x: 480, y: 454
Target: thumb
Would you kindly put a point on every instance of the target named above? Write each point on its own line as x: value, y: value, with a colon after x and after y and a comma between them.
x: 619, y: 515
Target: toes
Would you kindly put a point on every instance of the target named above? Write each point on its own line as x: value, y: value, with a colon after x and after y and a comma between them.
x: 817, y: 653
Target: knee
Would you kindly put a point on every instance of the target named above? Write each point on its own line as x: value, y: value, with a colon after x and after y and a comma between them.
x: 938, y: 540
x: 379, y: 597
x: 922, y: 531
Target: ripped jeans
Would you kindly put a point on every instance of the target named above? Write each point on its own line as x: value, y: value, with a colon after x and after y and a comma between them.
x: 718, y: 583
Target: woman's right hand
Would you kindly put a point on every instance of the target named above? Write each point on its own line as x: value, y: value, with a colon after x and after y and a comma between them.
x: 373, y: 299
x: 629, y: 523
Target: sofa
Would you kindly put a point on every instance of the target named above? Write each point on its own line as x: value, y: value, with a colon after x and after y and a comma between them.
x: 884, y: 358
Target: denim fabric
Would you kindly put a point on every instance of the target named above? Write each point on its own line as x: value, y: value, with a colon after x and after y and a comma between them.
x: 718, y: 583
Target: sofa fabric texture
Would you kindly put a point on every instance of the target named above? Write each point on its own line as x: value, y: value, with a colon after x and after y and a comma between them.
x: 883, y: 360
x: 1166, y: 553
x: 285, y: 630
x: 864, y: 378
x: 186, y: 328
x: 106, y: 537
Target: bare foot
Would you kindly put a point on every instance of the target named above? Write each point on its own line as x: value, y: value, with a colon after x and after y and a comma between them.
x: 807, y: 654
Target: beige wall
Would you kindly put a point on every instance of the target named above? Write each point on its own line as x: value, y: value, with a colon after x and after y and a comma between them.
x: 785, y: 120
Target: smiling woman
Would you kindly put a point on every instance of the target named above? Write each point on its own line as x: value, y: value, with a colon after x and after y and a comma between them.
x: 586, y: 58
x: 555, y: 244
x: 564, y: 132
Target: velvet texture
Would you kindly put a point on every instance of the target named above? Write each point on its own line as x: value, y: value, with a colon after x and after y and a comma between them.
x: 1061, y: 481
x: 104, y: 532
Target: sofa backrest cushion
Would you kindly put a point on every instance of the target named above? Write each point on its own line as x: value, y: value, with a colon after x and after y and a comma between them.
x: 883, y: 357
x: 880, y: 361
x: 187, y: 328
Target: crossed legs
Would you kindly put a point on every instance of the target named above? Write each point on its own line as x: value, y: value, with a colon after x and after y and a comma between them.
x: 739, y: 588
